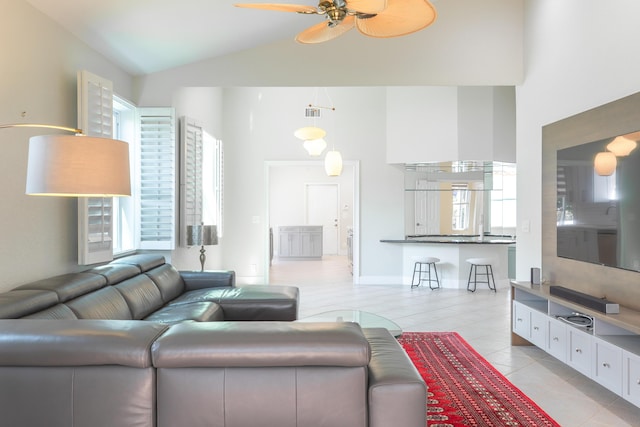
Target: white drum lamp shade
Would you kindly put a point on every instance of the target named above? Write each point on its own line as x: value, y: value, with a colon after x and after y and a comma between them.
x: 605, y: 163
x: 78, y: 166
x: 333, y: 163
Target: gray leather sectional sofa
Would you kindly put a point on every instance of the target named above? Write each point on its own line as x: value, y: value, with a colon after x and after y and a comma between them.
x: 191, y: 349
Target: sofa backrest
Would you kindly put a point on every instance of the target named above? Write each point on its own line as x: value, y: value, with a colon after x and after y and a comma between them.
x: 91, y: 373
x: 106, y: 303
x: 141, y: 294
x: 283, y: 374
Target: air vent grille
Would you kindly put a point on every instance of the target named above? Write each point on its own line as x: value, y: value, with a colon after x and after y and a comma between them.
x: 312, y: 112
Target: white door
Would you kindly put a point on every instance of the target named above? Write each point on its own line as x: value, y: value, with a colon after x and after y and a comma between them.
x: 427, y: 208
x: 322, y: 209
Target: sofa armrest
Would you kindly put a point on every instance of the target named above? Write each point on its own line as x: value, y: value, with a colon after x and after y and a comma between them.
x: 397, y: 392
x: 208, y: 279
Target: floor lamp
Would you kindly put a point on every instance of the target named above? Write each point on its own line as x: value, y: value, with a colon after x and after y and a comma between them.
x: 203, y: 235
x: 76, y: 165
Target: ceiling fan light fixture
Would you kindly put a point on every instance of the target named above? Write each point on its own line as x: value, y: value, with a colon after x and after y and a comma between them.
x: 309, y: 132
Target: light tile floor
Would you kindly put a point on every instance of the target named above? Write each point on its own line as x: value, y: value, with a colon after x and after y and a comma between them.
x: 481, y: 318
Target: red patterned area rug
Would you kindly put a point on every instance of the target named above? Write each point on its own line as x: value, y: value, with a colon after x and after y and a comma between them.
x: 464, y: 389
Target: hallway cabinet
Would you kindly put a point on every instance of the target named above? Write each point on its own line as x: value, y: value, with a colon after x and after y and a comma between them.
x: 301, y: 241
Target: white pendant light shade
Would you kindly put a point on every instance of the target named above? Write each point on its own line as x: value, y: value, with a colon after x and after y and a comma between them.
x: 333, y: 163
x: 315, y: 147
x: 78, y: 166
x: 309, y: 132
x: 621, y: 146
x: 605, y: 163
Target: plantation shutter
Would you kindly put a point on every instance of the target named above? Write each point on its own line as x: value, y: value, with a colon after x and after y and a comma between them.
x: 191, y: 161
x: 95, y: 118
x: 157, y: 178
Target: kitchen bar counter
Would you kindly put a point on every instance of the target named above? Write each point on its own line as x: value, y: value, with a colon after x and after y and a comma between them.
x: 453, y: 251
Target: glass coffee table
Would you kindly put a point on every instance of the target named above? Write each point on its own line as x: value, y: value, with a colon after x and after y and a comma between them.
x: 363, y: 318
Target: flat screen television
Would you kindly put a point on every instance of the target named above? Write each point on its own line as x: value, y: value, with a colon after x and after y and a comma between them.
x: 598, y: 202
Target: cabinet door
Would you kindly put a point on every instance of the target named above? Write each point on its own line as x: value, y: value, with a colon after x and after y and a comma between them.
x: 539, y: 326
x: 557, y: 340
x: 631, y: 377
x: 607, y: 365
x: 522, y: 320
x: 579, y: 351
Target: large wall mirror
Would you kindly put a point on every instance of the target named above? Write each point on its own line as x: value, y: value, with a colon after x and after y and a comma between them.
x: 460, y: 198
x: 598, y: 204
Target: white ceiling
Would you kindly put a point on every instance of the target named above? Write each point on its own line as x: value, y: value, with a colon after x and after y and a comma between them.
x: 146, y: 36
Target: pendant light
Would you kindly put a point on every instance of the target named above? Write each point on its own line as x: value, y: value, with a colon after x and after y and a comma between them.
x: 333, y: 163
x: 315, y: 147
x: 621, y: 146
x: 605, y: 163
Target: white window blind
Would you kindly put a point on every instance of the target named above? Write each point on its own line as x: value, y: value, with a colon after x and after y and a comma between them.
x: 191, y: 175
x: 157, y: 182
x: 95, y: 118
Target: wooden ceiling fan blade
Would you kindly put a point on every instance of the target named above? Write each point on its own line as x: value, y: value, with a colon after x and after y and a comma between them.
x: 367, y: 6
x: 322, y: 32
x: 281, y: 7
x: 401, y: 17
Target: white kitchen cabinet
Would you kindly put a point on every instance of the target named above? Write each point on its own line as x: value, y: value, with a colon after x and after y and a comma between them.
x: 557, y: 340
x: 579, y: 350
x: 303, y: 241
x: 631, y: 377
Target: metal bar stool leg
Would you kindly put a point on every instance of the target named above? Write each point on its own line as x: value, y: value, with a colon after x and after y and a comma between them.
x: 435, y: 270
x: 469, y: 281
x: 490, y: 271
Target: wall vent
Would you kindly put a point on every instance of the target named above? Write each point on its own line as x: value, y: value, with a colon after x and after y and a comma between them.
x: 312, y: 112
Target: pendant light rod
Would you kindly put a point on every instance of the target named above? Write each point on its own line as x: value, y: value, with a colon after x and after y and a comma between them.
x: 323, y: 107
x: 39, y: 125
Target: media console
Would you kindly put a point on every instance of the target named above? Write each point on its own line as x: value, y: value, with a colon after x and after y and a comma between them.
x: 608, y: 351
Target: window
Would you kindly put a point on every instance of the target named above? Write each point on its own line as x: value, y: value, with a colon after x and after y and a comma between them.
x: 460, y: 220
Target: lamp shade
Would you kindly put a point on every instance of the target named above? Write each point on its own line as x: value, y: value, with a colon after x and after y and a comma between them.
x: 78, y: 166
x: 333, y: 163
x: 205, y: 235
x: 621, y: 146
x: 315, y: 147
x: 310, y: 132
x: 605, y: 163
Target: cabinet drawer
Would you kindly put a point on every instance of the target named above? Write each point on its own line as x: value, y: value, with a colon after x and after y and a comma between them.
x: 522, y: 320
x: 557, y: 340
x: 539, y: 327
x: 579, y: 351
x: 607, y: 365
x: 631, y: 377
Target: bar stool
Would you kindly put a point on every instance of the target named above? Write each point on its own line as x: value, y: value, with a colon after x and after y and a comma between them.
x: 488, y: 273
x: 424, y: 266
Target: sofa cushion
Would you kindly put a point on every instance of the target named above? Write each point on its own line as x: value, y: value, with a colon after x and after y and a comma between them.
x: 144, y: 262
x: 168, y: 280
x: 142, y: 296
x: 57, y: 312
x: 105, y: 303
x: 22, y: 302
x: 198, y: 311
x: 69, y: 286
x: 116, y: 273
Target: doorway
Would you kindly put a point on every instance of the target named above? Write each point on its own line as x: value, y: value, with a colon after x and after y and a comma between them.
x: 300, y: 193
x: 322, y: 209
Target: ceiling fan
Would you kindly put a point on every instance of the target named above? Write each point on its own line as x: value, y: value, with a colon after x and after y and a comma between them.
x: 373, y: 18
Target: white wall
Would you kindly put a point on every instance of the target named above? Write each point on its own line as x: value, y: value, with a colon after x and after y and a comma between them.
x: 579, y: 54
x: 38, y: 69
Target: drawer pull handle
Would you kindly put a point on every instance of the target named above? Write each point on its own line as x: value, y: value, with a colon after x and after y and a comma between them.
x: 578, y: 350
x: 556, y: 339
x: 519, y: 319
x: 638, y: 381
x: 606, y: 365
x: 535, y: 328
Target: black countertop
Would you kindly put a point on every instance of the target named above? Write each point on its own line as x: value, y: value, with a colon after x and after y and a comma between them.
x: 455, y: 239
